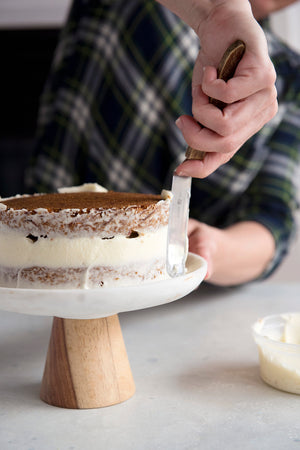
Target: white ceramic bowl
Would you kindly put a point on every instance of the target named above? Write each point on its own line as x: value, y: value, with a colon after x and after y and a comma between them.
x: 279, y: 361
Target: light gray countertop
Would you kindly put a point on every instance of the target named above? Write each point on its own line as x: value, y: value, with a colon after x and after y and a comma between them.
x: 195, y: 367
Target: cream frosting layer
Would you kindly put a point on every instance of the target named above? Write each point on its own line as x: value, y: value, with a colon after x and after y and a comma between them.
x: 16, y: 250
x: 291, y: 333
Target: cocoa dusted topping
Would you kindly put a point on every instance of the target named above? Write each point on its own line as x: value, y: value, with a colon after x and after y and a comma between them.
x: 81, y: 201
x: 102, y: 214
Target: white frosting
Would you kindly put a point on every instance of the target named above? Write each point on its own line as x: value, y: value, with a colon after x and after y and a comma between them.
x: 166, y: 195
x: 279, y: 352
x: 16, y: 250
x: 86, y: 187
x: 2, y: 199
x: 291, y: 334
x: 177, y: 258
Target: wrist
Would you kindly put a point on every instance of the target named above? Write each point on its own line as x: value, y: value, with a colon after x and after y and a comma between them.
x: 221, y: 12
x: 195, y: 12
x: 192, y: 12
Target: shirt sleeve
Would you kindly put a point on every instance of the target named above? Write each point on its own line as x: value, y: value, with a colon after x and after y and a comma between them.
x: 272, y: 197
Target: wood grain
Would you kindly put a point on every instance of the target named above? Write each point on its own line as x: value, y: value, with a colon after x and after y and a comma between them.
x: 87, y: 364
x: 57, y: 370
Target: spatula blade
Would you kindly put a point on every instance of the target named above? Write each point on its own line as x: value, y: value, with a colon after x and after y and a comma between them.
x: 177, y: 248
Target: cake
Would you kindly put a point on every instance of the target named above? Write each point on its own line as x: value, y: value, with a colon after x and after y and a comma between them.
x: 83, y: 237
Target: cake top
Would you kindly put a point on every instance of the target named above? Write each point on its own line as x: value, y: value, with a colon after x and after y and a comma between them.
x: 87, y: 210
x: 81, y: 201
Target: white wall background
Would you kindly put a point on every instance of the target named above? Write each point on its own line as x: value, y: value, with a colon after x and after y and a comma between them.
x: 33, y: 13
x: 286, y: 23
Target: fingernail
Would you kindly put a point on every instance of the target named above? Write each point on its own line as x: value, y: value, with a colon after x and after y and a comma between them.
x: 181, y: 173
x: 178, y: 123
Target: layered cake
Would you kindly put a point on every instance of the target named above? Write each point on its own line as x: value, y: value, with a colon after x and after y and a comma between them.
x: 83, y: 237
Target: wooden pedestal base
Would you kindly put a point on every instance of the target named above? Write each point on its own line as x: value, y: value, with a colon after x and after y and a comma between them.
x: 87, y: 364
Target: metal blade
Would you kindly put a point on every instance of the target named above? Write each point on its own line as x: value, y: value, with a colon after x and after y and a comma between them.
x: 177, y: 248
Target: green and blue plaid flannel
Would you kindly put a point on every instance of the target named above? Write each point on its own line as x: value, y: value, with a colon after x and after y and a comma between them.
x: 120, y: 78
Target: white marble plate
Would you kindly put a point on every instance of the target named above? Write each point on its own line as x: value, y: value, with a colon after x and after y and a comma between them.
x: 103, y: 302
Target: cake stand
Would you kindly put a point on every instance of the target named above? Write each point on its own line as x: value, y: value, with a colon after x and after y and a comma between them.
x: 87, y: 364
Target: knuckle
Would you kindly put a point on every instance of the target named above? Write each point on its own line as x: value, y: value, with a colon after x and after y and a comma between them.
x: 226, y: 127
x: 274, y: 109
x: 193, y: 141
x: 270, y: 74
x: 206, y: 171
x: 229, y: 146
x: 273, y: 74
x: 273, y: 96
x: 194, y: 109
x: 229, y: 96
x: 274, y: 92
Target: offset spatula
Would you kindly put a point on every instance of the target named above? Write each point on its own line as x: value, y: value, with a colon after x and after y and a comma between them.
x: 177, y: 248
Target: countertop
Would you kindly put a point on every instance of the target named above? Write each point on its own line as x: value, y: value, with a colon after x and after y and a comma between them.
x: 195, y: 367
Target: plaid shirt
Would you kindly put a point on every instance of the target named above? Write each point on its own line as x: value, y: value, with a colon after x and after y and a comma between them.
x: 120, y: 77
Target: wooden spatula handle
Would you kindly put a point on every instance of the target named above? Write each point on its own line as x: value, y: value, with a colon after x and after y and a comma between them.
x: 225, y: 71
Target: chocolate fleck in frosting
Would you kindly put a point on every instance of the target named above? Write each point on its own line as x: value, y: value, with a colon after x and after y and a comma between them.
x: 102, y: 214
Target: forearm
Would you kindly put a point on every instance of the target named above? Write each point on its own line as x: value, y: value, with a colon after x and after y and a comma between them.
x: 194, y: 12
x: 243, y: 252
x: 262, y: 8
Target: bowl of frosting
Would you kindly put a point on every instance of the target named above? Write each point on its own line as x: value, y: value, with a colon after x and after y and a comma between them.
x: 278, y: 341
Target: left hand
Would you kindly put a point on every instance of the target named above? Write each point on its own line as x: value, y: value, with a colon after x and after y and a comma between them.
x: 234, y: 255
x: 203, y: 242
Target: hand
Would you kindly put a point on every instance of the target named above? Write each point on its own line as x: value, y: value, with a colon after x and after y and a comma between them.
x: 203, y: 240
x: 250, y: 95
x: 235, y: 255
